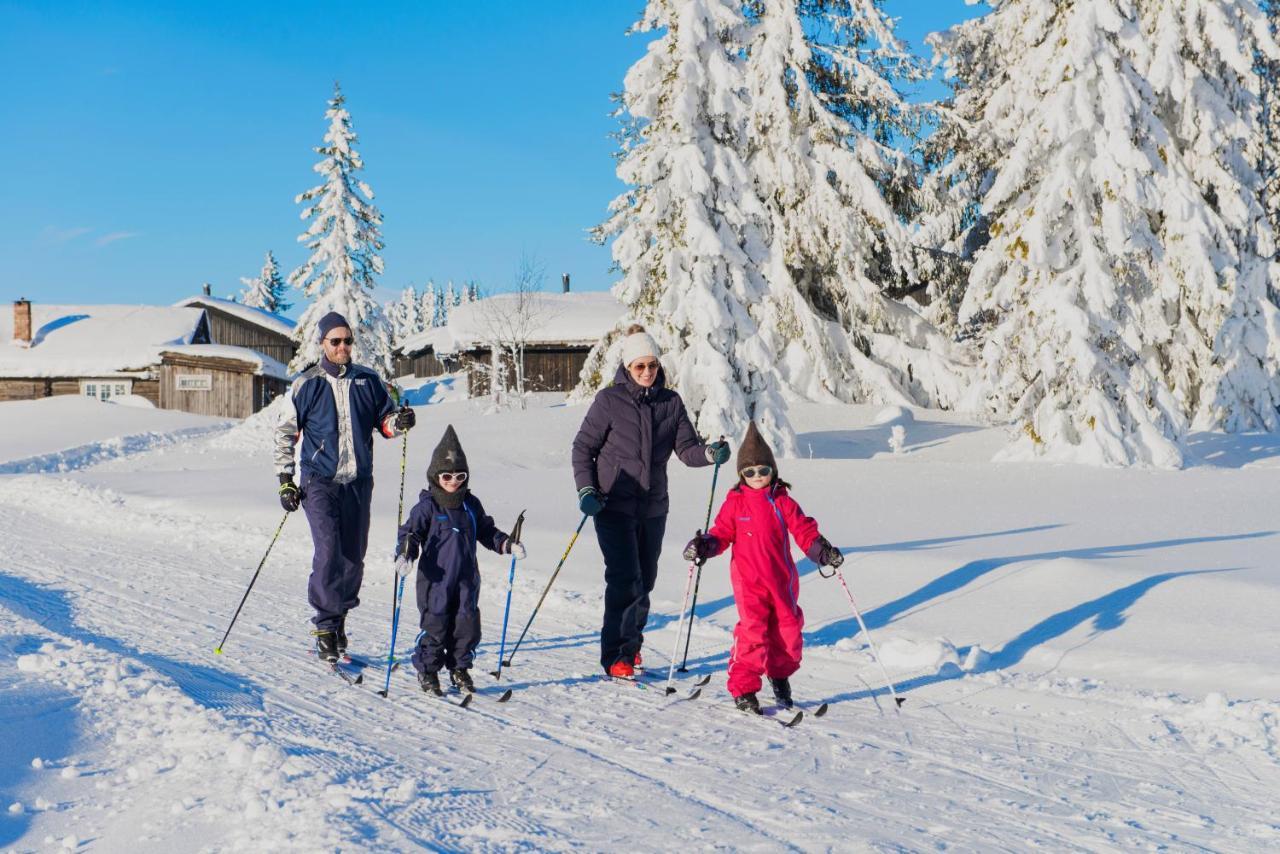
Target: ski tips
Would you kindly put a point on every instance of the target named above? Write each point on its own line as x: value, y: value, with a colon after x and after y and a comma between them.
x: 697, y: 692
x: 506, y: 695
x: 820, y: 711
x: 495, y: 674
x: 670, y: 691
x: 466, y: 701
x: 799, y: 717
x: 506, y: 664
x: 359, y: 678
x: 703, y: 681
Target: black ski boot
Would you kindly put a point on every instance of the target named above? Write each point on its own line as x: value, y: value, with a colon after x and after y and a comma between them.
x: 326, y: 646
x: 781, y: 692
x: 461, y: 680
x: 430, y: 684
x: 342, y: 637
x: 748, y: 703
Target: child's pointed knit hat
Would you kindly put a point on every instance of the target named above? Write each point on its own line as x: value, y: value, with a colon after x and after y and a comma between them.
x: 448, y: 455
x: 755, y: 451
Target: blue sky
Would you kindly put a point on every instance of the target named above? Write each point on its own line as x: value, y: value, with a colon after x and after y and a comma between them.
x: 151, y: 147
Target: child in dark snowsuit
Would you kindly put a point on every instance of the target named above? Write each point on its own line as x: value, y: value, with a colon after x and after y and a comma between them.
x: 755, y: 520
x: 442, y: 534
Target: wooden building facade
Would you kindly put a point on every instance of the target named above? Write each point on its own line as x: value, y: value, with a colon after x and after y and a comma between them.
x: 547, y: 367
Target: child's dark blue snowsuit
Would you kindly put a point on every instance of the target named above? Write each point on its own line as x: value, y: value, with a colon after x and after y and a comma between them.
x: 449, y: 579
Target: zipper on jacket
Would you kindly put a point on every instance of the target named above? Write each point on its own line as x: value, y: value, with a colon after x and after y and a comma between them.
x: 318, y: 450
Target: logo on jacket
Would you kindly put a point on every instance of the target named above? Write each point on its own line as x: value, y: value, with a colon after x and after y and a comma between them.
x: 360, y: 381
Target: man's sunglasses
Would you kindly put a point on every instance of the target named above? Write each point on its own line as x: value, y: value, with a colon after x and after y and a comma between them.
x: 451, y: 476
x: 334, y: 342
x: 756, y: 471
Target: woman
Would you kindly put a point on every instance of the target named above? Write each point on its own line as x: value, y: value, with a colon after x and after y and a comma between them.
x: 620, y: 467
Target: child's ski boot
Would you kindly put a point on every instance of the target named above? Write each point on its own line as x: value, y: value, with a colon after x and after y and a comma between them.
x: 461, y: 680
x: 781, y: 692
x: 748, y: 703
x: 430, y: 684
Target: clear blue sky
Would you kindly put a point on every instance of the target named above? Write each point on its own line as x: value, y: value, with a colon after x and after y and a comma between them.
x: 150, y: 147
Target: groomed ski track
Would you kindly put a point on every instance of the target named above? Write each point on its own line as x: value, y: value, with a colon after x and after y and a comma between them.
x: 111, y: 602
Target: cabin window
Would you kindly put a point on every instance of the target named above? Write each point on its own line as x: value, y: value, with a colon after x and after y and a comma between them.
x: 105, y: 390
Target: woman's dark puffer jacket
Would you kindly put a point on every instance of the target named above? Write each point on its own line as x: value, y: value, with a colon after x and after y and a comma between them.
x: 624, y: 443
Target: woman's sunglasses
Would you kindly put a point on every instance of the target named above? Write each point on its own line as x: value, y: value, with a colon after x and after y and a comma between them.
x: 334, y: 342
x: 451, y: 476
x: 644, y: 367
x: 756, y: 471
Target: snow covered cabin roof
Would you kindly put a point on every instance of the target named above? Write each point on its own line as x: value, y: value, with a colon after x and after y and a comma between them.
x: 96, y: 340
x: 262, y: 364
x: 258, y: 316
x: 573, y: 318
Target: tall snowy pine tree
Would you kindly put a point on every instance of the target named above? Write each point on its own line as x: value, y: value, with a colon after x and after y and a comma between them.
x: 344, y: 240
x: 267, y: 290
x: 1119, y: 296
x: 821, y: 77
x: 688, y: 236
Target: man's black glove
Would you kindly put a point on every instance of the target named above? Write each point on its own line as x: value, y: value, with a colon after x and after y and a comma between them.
x: 824, y: 554
x: 590, y: 501
x: 405, y: 418
x: 290, y: 497
x: 718, y: 452
x: 701, y: 547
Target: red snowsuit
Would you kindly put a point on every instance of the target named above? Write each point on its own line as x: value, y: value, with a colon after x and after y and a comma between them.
x: 766, y: 584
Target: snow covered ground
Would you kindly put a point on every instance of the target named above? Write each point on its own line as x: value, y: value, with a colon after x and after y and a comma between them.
x: 1089, y: 656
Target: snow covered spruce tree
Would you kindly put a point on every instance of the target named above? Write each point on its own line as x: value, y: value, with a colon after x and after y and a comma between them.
x: 824, y: 107
x: 404, y: 315
x: 1121, y: 295
x: 1221, y: 249
x: 344, y: 240
x: 688, y: 235
x: 267, y: 290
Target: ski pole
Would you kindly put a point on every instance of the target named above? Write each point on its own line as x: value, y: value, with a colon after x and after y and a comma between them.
x: 671, y: 670
x: 400, y: 578
x: 511, y: 578
x: 563, y: 558
x: 698, y: 579
x: 897, y: 701
x: 218, y: 649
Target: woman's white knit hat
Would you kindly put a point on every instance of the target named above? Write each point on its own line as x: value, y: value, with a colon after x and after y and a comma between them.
x: 637, y: 345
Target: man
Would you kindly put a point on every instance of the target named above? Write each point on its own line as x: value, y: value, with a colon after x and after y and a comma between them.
x: 335, y: 406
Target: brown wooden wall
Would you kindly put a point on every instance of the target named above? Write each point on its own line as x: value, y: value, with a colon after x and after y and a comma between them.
x: 231, y: 395
x: 226, y: 328
x: 545, y: 369
x: 31, y: 389
x: 424, y: 364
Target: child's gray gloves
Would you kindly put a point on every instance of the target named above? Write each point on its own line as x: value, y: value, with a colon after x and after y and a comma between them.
x: 824, y: 554
x: 701, y: 547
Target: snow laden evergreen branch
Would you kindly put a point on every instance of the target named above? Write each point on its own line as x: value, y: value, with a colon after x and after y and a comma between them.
x: 1121, y: 297
x: 755, y: 235
x: 344, y: 238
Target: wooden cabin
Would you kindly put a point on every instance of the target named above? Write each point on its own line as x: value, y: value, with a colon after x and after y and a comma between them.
x: 557, y: 331
x: 165, y: 354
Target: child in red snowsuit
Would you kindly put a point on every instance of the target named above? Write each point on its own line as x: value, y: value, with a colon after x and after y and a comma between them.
x: 755, y: 519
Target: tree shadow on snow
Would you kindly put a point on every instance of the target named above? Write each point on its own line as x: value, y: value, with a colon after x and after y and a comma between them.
x: 36, y: 720
x: 1232, y: 450
x: 974, y: 570
x: 806, y: 567
x: 212, y: 689
x: 1108, y: 612
x: 867, y: 442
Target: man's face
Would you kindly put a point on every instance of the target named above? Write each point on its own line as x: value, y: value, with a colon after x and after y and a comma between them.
x: 337, y: 345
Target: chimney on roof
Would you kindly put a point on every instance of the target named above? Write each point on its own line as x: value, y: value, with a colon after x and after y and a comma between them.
x: 22, y: 322
x: 564, y: 281
x: 208, y: 289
